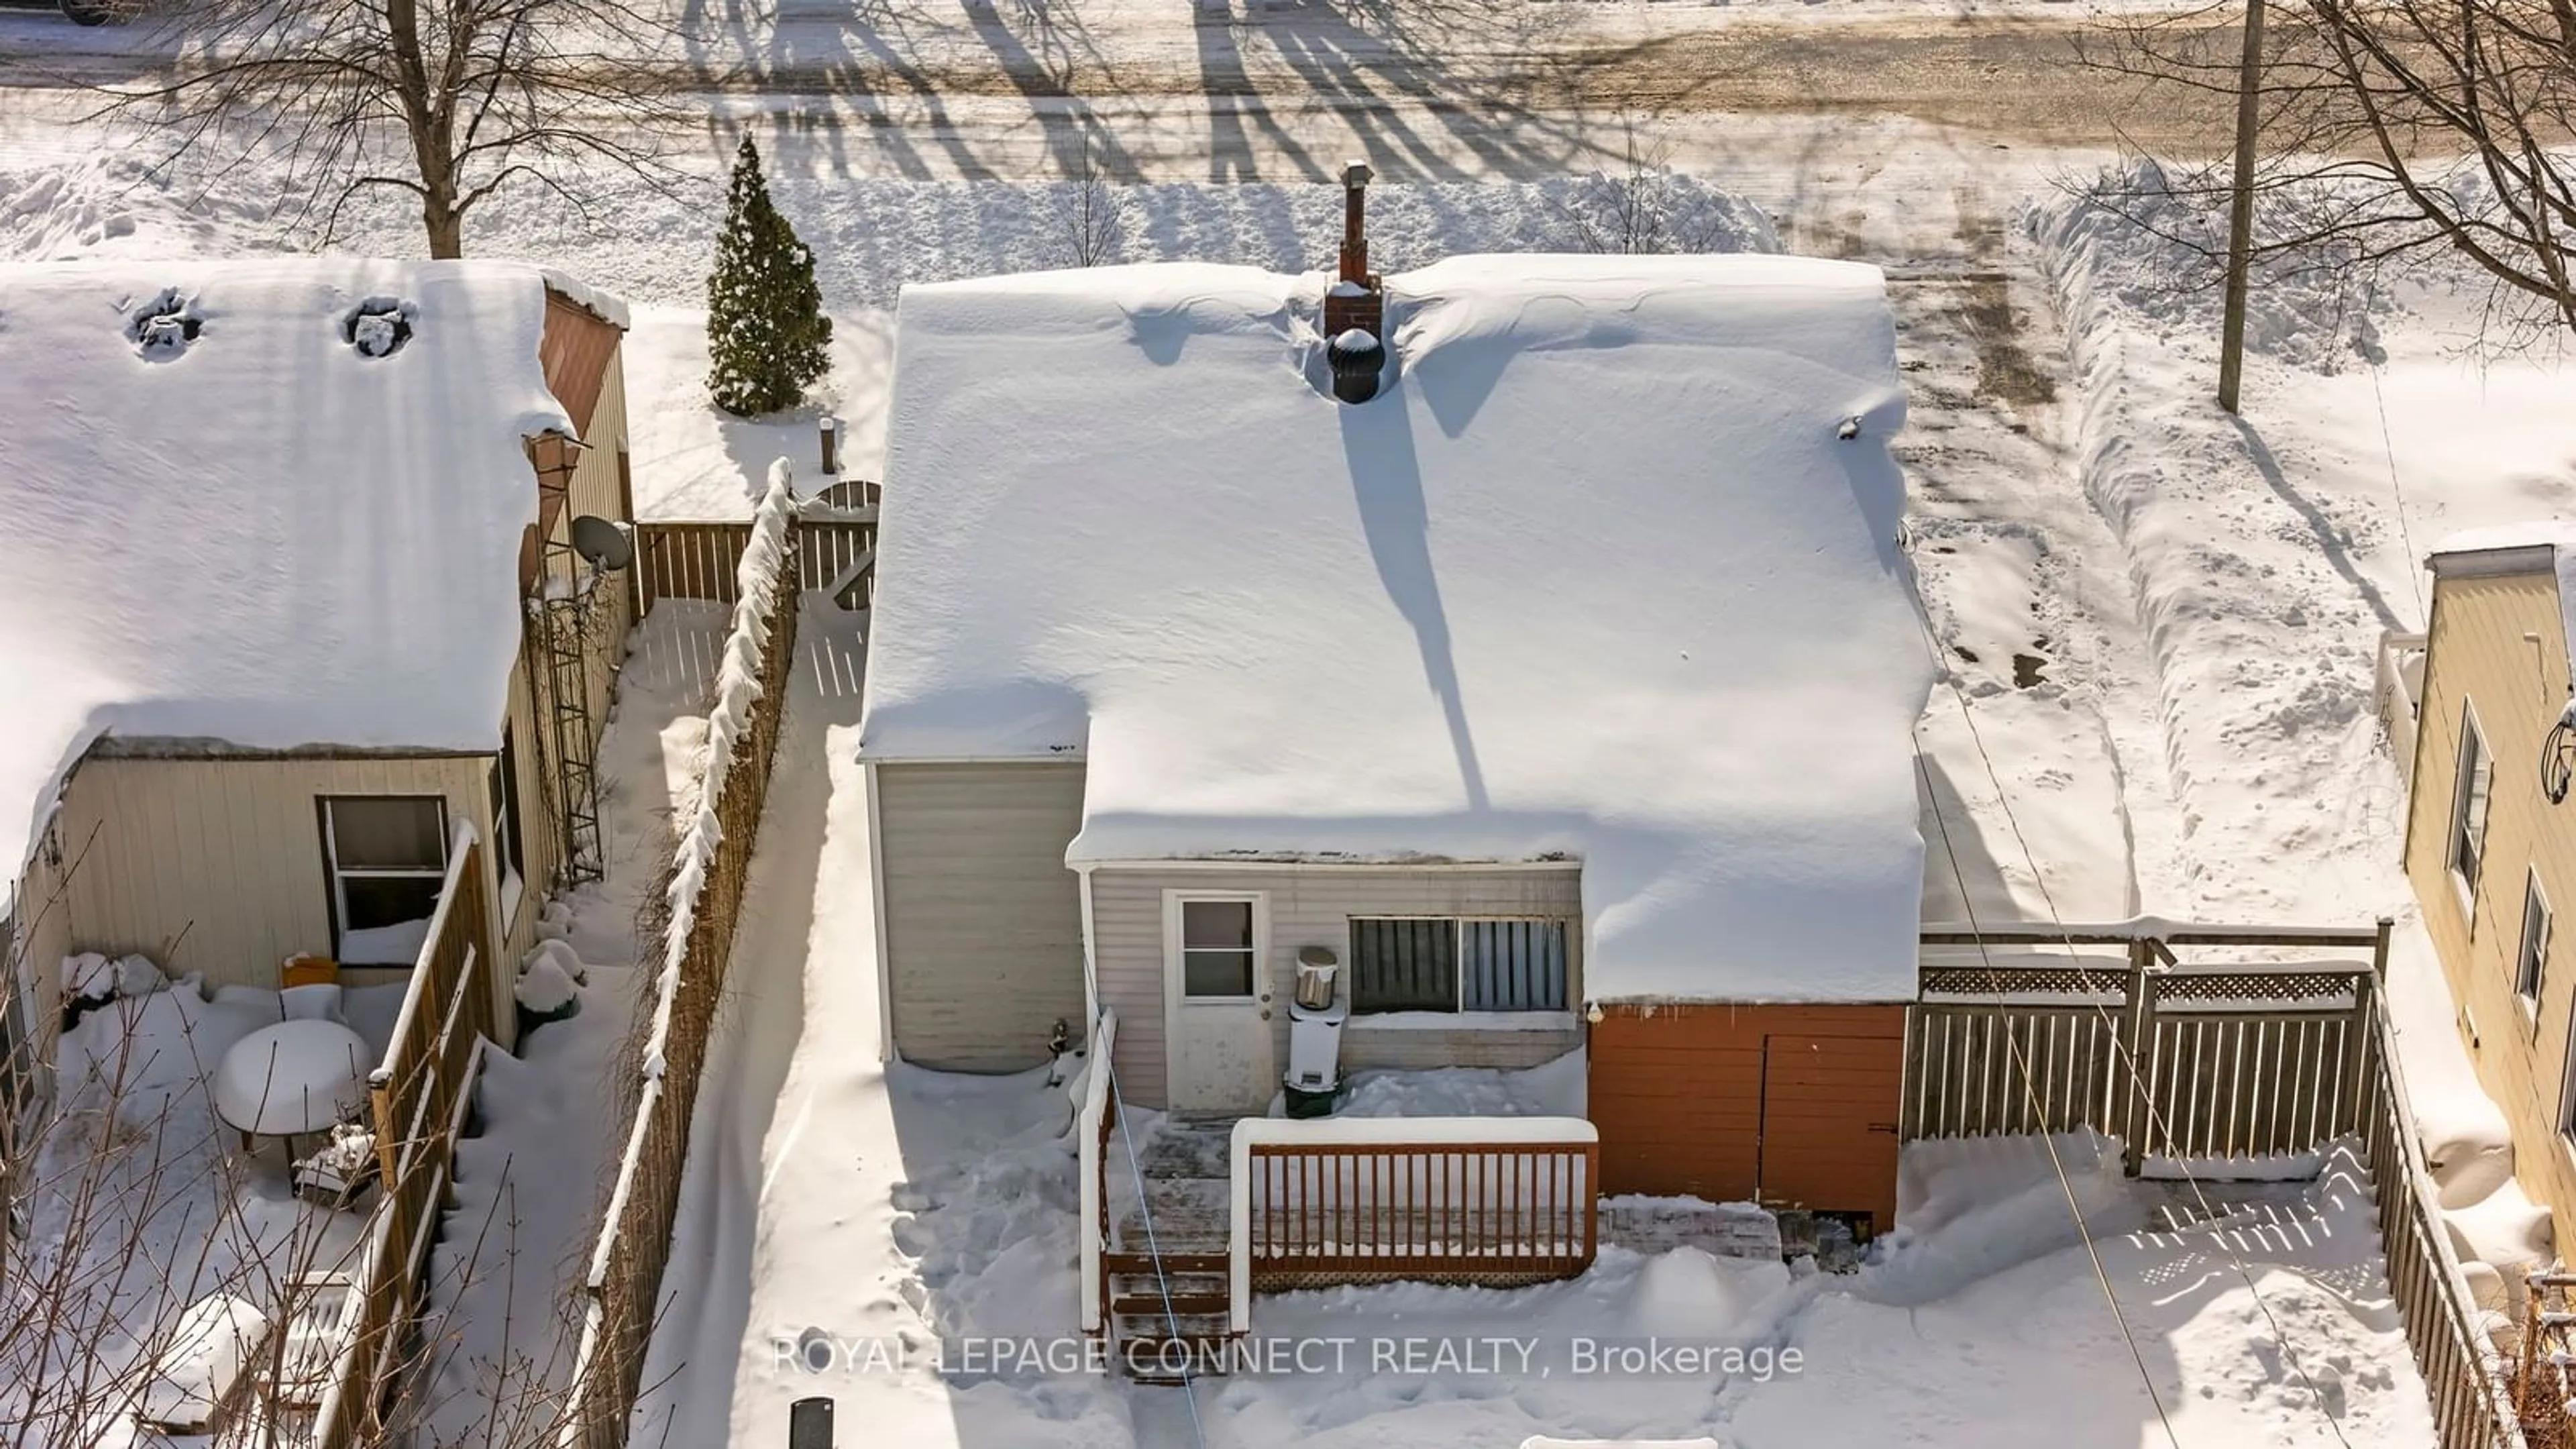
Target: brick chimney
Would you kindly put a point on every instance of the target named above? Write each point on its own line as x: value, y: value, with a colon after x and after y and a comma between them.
x: 1356, y: 302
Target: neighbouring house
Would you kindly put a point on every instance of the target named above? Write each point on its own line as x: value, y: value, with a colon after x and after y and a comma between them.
x: 2491, y: 832
x: 1528, y: 633
x: 297, y: 579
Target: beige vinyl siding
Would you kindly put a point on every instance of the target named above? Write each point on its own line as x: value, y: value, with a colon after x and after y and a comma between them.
x: 1313, y: 906
x: 2497, y: 644
x: 215, y: 865
x: 983, y: 922
x: 36, y: 937
x: 540, y: 826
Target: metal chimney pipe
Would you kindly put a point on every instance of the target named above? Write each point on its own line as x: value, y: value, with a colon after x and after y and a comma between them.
x: 1355, y: 180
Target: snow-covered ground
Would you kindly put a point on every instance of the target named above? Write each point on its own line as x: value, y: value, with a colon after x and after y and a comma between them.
x: 2159, y: 623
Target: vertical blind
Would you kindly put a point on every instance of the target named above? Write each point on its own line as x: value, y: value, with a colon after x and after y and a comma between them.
x: 1446, y: 964
x: 1513, y: 965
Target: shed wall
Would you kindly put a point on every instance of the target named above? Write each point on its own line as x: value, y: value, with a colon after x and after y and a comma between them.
x: 1313, y: 906
x: 1774, y: 1103
x: 983, y: 921
x: 215, y: 865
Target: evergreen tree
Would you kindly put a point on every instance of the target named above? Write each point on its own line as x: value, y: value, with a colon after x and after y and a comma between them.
x: 767, y: 337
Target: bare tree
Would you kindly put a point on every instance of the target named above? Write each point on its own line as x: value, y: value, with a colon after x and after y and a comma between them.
x: 2391, y: 127
x: 450, y: 101
x: 1091, y: 214
x: 1643, y: 206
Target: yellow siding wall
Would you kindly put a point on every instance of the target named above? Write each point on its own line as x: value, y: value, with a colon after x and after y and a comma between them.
x: 2497, y: 647
x: 216, y: 865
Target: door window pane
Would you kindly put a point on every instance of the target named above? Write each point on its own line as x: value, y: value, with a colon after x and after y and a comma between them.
x: 1217, y: 957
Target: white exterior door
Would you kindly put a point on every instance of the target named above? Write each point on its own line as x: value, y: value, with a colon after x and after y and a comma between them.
x: 1217, y: 985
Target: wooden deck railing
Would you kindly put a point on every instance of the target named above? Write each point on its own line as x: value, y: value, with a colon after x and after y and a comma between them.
x: 1440, y: 1199
x: 2201, y: 1062
x: 418, y: 1098
x: 2236, y: 1060
x: 1099, y: 1122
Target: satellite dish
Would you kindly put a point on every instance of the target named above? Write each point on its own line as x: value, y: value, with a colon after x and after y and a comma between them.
x: 605, y: 544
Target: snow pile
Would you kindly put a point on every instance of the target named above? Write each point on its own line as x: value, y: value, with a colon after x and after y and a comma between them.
x: 92, y: 978
x: 545, y: 988
x: 1451, y: 623
x: 1551, y: 1089
x: 873, y: 235
x: 2155, y: 241
x: 258, y: 536
x: 550, y: 979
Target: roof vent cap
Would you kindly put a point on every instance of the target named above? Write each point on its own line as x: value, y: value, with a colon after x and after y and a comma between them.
x: 162, y: 328
x: 378, y: 326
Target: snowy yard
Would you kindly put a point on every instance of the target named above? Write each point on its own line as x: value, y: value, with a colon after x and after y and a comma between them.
x: 2156, y: 626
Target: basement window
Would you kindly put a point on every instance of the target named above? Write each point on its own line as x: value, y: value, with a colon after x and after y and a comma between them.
x: 386, y: 859
x: 2469, y: 796
x: 1457, y: 964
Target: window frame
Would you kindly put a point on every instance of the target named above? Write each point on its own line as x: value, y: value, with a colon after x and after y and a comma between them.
x: 2567, y: 1092
x: 2465, y: 836
x: 2530, y: 966
x: 335, y: 895
x: 1178, y: 949
x: 1458, y: 924
x: 509, y: 823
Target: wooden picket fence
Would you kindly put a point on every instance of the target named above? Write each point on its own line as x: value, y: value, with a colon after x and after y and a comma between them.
x: 634, y: 1244
x: 835, y: 550
x: 2201, y: 1065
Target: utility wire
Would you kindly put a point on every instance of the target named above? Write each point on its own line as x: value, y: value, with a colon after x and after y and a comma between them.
x: 2030, y: 1092
x: 2126, y: 1059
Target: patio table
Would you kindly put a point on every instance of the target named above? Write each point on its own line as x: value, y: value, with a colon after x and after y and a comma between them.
x: 295, y: 1077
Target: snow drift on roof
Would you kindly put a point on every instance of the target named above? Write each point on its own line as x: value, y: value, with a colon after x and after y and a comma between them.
x: 1594, y: 576
x: 265, y: 538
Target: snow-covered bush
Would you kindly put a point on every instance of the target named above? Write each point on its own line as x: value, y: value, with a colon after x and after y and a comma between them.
x: 767, y: 337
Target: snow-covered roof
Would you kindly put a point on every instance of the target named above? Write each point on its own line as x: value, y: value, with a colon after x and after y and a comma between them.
x: 259, y: 536
x: 1595, y: 577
